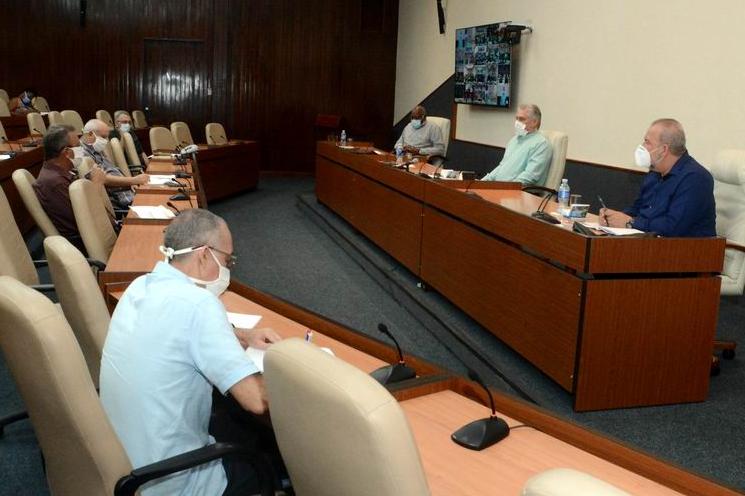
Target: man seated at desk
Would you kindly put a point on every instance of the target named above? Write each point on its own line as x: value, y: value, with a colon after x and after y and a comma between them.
x: 52, y: 187
x: 420, y: 137
x: 528, y: 154
x: 169, y: 343
x: 22, y: 103
x: 677, y: 196
x: 123, y: 123
x: 93, y: 141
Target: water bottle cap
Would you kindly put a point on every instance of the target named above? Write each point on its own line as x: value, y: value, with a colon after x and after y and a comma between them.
x: 564, y: 181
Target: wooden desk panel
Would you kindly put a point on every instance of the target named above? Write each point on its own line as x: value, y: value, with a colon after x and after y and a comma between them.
x: 16, y: 126
x: 135, y: 253
x: 155, y: 199
x: 389, y: 219
x: 228, y: 169
x: 505, y: 467
x: 646, y: 342
x: 529, y: 304
x: 31, y: 160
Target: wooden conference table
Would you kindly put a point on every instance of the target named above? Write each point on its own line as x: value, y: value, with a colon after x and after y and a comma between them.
x: 437, y: 402
x: 616, y: 321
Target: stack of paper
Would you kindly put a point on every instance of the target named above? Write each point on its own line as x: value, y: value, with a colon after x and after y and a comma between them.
x: 147, y: 212
x: 616, y: 231
x: 160, y: 179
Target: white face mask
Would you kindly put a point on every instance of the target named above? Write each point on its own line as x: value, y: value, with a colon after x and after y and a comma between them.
x: 100, y: 144
x: 216, y: 287
x: 416, y: 123
x: 520, y: 128
x: 125, y: 127
x: 642, y: 157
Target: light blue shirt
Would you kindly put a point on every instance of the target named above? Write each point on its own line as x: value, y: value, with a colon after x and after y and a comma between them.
x: 169, y: 342
x: 526, y: 160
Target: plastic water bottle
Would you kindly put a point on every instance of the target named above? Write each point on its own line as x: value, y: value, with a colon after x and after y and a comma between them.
x: 399, y: 155
x: 563, y: 197
x: 343, y: 140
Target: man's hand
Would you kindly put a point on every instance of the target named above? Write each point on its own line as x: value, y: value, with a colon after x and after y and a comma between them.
x: 257, y: 338
x: 97, y: 175
x: 613, y: 218
x: 411, y: 149
x: 141, y: 179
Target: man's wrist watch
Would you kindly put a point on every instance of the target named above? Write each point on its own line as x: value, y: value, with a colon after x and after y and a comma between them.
x: 630, y: 223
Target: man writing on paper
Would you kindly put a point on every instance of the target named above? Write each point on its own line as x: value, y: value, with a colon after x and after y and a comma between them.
x: 169, y: 343
x: 528, y: 154
x: 421, y: 137
x: 677, y: 196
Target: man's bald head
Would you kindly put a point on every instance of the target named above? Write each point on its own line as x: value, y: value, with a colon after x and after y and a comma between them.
x: 419, y: 112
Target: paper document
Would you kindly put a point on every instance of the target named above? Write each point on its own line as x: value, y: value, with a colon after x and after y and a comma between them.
x: 257, y: 357
x: 147, y: 212
x: 4, y: 157
x: 243, y: 320
x: 616, y: 231
x: 160, y: 179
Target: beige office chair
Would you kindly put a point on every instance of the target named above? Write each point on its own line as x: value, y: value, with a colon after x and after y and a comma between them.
x: 181, y: 133
x: 36, y: 126
x: 105, y: 116
x: 55, y: 118
x: 80, y: 297
x: 350, y: 437
x: 3, y: 134
x: 40, y: 103
x: 72, y: 117
x: 559, y: 142
x: 24, y: 183
x: 568, y: 482
x: 4, y: 96
x: 138, y: 119
x: 131, y: 150
x: 215, y: 133
x: 444, y: 125
x: 86, y: 164
x: 161, y: 139
x: 15, y: 260
x: 82, y: 453
x: 118, y: 154
x: 93, y: 220
x: 4, y: 109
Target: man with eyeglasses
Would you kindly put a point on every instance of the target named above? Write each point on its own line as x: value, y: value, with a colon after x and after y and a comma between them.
x: 169, y: 343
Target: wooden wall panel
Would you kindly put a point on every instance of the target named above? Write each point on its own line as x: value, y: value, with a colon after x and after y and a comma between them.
x: 269, y: 66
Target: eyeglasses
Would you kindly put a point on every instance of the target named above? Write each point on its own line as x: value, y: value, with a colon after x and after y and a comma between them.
x: 232, y: 259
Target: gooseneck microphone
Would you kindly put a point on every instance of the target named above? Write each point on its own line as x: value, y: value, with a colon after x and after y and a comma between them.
x: 173, y: 207
x: 391, y: 374
x: 540, y: 214
x: 11, y: 153
x: 485, y: 432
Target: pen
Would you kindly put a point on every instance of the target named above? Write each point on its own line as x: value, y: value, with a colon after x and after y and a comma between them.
x: 602, y: 203
x: 308, y: 336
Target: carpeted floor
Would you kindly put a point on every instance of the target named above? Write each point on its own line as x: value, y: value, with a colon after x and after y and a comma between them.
x: 290, y: 246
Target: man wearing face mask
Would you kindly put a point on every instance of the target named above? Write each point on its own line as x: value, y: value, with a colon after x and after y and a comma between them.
x: 93, y: 141
x: 22, y: 104
x: 677, y: 196
x: 123, y: 123
x: 421, y: 137
x: 528, y: 153
x: 169, y: 343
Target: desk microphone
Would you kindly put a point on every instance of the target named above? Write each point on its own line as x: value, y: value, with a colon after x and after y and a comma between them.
x: 12, y: 152
x: 393, y: 373
x: 485, y: 432
x: 541, y: 215
x: 181, y: 196
x: 182, y: 175
x: 173, y: 207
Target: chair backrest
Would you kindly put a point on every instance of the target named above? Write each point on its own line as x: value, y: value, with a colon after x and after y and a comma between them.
x: 15, y: 260
x: 444, y: 125
x: 94, y: 223
x: 215, y: 133
x: 105, y: 116
x: 568, y: 482
x: 82, y: 453
x: 86, y: 164
x: 24, y: 182
x: 138, y: 119
x: 4, y: 96
x: 559, y: 142
x: 55, y: 118
x: 4, y: 109
x: 350, y: 437
x: 118, y: 154
x: 729, y: 192
x: 81, y: 299
x: 161, y: 139
x: 36, y: 126
x: 130, y: 149
x: 72, y: 117
x: 181, y: 133
x: 40, y: 103
x: 3, y: 134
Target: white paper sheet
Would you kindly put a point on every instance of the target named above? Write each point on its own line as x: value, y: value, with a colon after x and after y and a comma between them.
x: 148, y: 212
x: 243, y: 320
x: 616, y: 231
x: 160, y: 178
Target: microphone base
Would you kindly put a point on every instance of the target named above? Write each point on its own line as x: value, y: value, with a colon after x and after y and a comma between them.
x: 179, y: 196
x: 545, y: 217
x: 182, y: 175
x: 390, y: 374
x: 481, y: 434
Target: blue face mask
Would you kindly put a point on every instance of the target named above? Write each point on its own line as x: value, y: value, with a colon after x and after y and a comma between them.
x: 125, y: 127
x: 26, y: 99
x: 417, y: 123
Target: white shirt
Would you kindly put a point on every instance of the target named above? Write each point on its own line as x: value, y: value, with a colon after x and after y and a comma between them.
x: 169, y: 342
x: 427, y: 138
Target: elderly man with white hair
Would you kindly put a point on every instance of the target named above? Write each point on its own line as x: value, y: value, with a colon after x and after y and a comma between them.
x: 94, y: 140
x: 528, y: 154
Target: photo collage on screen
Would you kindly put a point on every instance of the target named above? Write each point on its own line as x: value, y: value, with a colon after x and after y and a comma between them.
x: 483, y: 66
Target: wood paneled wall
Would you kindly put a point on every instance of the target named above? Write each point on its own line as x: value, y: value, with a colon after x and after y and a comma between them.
x: 264, y: 68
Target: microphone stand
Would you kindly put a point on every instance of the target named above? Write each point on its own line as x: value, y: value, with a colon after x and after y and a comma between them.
x: 482, y: 433
x: 398, y: 372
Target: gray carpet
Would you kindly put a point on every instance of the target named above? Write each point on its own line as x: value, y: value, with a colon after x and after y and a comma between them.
x: 296, y: 249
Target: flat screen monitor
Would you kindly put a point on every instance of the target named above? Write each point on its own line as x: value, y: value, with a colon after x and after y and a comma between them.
x: 483, y: 66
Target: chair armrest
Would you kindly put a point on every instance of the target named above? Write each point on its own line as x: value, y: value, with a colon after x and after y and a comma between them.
x: 128, y: 485
x: 731, y: 245
x: 44, y: 288
x: 41, y: 263
x: 96, y: 263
